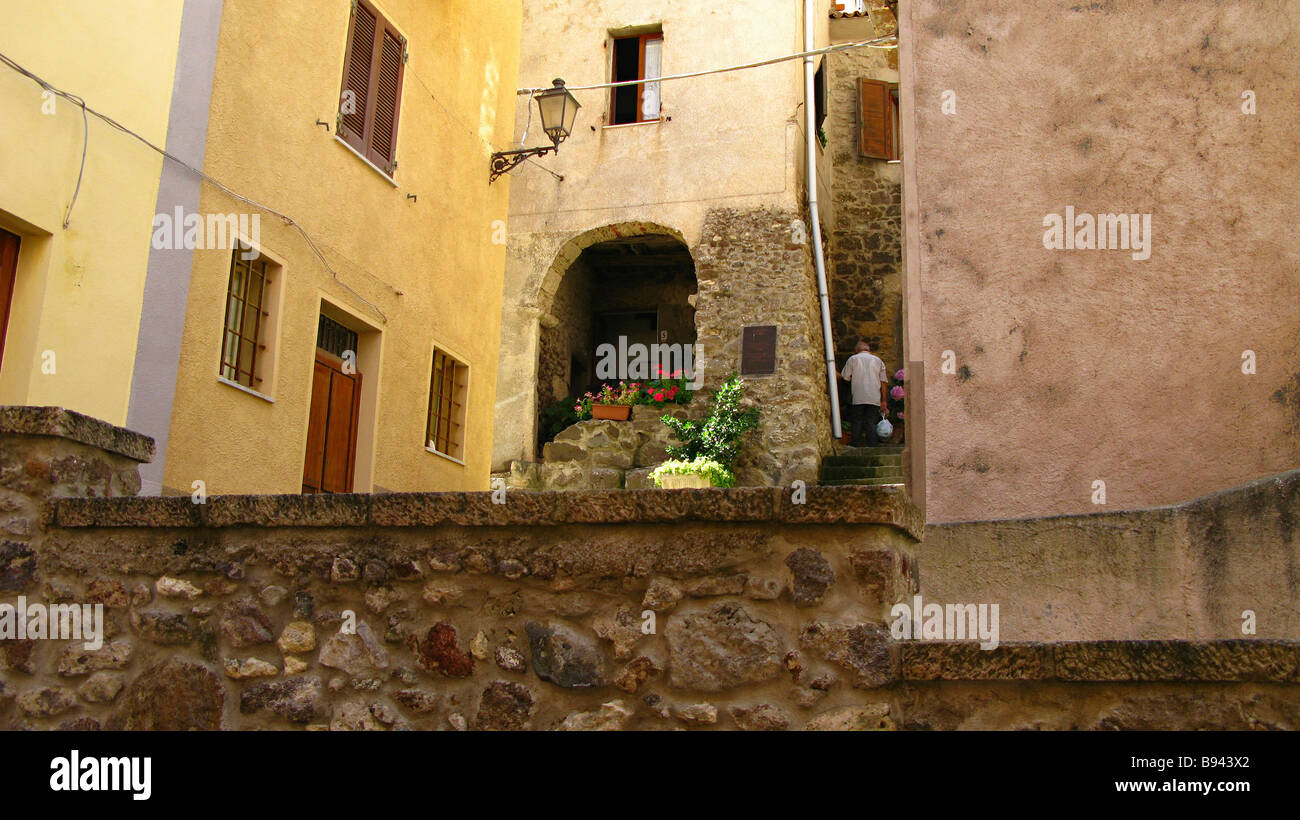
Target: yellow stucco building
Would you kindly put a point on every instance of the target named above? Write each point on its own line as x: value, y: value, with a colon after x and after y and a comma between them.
x: 310, y: 297
x: 71, y: 293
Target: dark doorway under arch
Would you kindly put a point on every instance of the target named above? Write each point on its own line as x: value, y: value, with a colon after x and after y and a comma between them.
x: 640, y: 288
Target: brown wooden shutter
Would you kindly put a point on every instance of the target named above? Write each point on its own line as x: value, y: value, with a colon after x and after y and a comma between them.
x: 388, y: 98
x: 876, y: 137
x: 357, y: 72
x: 372, y: 71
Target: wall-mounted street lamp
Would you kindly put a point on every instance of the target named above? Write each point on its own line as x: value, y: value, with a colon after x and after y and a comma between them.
x: 558, y: 109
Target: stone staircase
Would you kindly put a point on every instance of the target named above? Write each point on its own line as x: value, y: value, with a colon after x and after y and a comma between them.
x: 863, y: 465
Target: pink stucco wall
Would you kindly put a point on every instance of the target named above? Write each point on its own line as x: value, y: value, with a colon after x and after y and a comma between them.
x: 1075, y: 366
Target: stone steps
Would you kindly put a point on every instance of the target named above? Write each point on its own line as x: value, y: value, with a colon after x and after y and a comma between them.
x: 831, y: 471
x: 884, y: 449
x: 862, y: 466
x: 882, y: 460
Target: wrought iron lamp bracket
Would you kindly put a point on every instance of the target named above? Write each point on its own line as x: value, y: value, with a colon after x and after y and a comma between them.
x: 505, y: 161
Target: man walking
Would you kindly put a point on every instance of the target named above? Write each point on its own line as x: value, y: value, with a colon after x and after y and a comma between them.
x: 865, y: 373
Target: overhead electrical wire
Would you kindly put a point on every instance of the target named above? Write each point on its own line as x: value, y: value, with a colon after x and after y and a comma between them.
x: 889, y: 41
x: 288, y: 220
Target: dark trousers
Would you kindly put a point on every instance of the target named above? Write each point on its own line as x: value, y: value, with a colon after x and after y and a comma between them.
x: 864, y: 418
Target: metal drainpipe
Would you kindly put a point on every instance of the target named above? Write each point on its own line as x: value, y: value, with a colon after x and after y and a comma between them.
x: 810, y: 112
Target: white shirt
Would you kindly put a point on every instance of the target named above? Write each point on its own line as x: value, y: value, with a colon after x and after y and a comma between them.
x: 865, y: 371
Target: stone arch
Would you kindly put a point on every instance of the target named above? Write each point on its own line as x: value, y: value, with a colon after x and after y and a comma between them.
x: 543, y: 293
x: 630, y: 281
x: 528, y: 319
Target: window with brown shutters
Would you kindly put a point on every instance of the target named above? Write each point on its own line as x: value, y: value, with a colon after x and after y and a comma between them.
x: 372, y: 86
x: 878, y: 134
x: 448, y: 387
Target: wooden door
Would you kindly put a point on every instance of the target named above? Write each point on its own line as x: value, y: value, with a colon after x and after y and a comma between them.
x: 332, y: 427
x: 8, y: 272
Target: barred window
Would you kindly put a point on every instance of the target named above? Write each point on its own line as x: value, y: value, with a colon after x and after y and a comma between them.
x: 335, y: 338
x: 246, y: 301
x: 445, y: 431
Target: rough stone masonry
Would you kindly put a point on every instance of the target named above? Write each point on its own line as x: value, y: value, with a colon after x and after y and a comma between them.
x: 652, y: 609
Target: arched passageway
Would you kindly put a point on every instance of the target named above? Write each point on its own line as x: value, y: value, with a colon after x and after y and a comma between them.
x: 621, y: 291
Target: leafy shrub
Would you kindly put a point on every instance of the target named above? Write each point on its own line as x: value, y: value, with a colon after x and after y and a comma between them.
x: 718, y: 436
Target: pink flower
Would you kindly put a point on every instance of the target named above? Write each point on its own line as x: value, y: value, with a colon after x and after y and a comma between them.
x: 900, y: 415
x: 900, y: 375
x: 896, y: 392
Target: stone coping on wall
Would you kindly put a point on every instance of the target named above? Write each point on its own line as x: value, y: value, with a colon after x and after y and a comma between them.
x: 1241, y: 660
x: 887, y: 505
x: 67, y: 424
x: 1278, y: 485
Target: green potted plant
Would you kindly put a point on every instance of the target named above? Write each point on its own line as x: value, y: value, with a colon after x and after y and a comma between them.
x: 710, y: 446
x: 697, y: 473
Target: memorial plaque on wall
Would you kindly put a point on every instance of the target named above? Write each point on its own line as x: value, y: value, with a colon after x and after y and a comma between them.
x: 758, y: 350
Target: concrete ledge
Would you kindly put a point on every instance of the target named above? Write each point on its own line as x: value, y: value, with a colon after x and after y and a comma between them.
x: 1262, y: 661
x: 1187, y: 570
x: 328, y: 510
x: 1231, y: 660
x: 824, y: 505
x: 55, y: 421
x: 885, y: 504
x: 966, y: 661
x: 170, y: 511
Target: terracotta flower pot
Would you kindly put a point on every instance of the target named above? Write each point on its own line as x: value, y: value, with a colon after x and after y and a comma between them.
x: 684, y: 481
x: 615, y: 412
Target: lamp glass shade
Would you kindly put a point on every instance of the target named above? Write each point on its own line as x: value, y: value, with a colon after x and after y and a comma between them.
x: 558, y: 109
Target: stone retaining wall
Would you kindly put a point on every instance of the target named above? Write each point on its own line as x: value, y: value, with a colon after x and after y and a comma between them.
x: 586, y: 610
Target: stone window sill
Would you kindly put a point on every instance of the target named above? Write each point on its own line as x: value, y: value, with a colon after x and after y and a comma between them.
x: 250, y: 391
x: 358, y: 155
x: 634, y: 124
x: 429, y: 449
